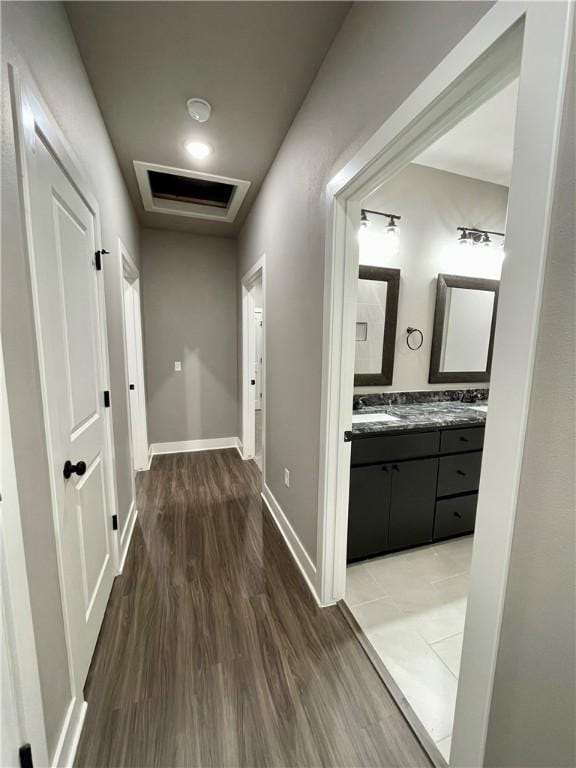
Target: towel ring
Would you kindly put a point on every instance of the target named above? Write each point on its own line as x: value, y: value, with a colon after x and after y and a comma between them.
x: 410, y: 331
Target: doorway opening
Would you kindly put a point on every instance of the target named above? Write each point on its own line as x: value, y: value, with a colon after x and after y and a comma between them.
x: 253, y: 365
x: 503, y: 46
x: 135, y: 385
x: 413, y: 501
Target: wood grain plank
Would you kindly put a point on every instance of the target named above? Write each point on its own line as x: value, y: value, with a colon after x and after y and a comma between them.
x: 212, y: 652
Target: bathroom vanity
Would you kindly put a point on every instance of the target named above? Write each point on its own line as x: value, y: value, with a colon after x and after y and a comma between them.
x: 415, y: 470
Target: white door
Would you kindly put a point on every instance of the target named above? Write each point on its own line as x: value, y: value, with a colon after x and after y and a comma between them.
x: 258, y: 362
x: 135, y: 370
x: 73, y: 362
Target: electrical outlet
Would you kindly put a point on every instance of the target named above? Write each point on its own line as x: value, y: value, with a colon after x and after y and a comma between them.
x: 286, y: 477
x: 177, y: 365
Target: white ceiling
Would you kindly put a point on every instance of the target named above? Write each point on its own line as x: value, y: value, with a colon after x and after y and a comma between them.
x: 481, y: 145
x: 254, y: 61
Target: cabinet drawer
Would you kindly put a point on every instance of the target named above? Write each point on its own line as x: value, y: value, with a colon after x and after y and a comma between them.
x: 459, y: 474
x: 455, y: 517
x: 369, y: 450
x: 468, y: 439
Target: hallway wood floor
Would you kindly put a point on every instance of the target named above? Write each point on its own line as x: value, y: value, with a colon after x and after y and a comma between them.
x: 212, y: 652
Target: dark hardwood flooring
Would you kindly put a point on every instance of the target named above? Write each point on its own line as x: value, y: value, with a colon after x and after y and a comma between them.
x: 212, y: 652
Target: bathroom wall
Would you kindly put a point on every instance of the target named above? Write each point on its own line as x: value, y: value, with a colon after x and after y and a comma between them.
x: 189, y: 313
x: 432, y: 204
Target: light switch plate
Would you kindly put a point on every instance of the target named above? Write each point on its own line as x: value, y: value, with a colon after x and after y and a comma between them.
x: 177, y: 365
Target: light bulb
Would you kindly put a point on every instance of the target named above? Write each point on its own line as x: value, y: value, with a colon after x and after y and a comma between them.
x: 198, y: 149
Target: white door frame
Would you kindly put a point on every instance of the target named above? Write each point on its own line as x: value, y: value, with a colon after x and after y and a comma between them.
x: 23, y: 683
x: 248, y: 402
x: 482, y: 63
x: 139, y: 441
x: 31, y: 115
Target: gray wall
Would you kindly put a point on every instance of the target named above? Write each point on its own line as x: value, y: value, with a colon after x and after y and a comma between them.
x: 432, y: 204
x: 189, y: 308
x: 381, y: 54
x: 533, y: 709
x: 36, y: 37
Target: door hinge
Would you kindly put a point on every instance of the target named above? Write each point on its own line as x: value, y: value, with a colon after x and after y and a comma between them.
x: 106, y: 398
x: 132, y: 387
x: 114, y: 522
x: 252, y: 382
x: 98, y: 258
x: 25, y: 755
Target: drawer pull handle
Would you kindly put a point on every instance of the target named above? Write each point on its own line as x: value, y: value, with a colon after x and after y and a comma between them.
x: 463, y: 439
x: 460, y: 472
x: 384, y: 469
x: 458, y: 515
x: 396, y: 468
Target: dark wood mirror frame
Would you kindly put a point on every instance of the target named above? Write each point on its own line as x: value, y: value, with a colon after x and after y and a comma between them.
x: 392, y: 277
x: 444, y: 282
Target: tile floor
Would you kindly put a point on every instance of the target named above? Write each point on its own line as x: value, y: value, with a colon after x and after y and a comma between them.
x: 411, y: 606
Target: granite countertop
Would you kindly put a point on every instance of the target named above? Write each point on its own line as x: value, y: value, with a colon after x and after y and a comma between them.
x: 417, y: 417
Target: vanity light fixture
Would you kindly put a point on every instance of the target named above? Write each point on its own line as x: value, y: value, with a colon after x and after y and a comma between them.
x: 392, y: 228
x: 474, y: 236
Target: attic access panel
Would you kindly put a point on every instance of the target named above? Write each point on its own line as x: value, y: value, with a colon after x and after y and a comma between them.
x: 181, y: 192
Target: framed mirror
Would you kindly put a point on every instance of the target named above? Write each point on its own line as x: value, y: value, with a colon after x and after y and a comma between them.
x: 376, y: 314
x: 463, y: 332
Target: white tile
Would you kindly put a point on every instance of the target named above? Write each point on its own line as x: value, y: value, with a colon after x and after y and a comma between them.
x: 450, y: 651
x: 421, y: 676
x: 444, y: 747
x: 377, y: 615
x: 434, y: 621
x: 433, y: 563
x: 360, y: 585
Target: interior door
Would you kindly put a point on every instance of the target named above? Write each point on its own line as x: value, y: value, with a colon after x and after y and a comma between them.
x: 72, y: 351
x: 133, y: 378
x: 258, y: 394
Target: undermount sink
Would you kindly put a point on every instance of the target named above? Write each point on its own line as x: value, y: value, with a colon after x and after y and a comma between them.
x: 482, y: 408
x: 363, y: 418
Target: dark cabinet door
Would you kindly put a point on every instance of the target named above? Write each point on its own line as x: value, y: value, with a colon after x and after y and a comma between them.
x: 413, y: 499
x: 369, y: 511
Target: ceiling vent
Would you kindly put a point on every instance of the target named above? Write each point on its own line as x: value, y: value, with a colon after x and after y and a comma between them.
x: 181, y: 192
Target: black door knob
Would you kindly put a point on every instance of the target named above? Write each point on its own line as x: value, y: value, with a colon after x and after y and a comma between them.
x: 69, y: 468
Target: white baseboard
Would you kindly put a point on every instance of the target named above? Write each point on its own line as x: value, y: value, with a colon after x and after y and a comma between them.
x: 65, y: 752
x: 187, y: 446
x: 126, y: 535
x: 301, y: 557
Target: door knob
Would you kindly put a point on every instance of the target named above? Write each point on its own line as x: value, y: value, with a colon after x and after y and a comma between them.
x: 69, y: 468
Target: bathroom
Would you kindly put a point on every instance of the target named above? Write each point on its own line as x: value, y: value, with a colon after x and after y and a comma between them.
x: 431, y: 250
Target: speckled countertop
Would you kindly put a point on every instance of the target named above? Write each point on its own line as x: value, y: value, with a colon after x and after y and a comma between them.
x: 417, y: 417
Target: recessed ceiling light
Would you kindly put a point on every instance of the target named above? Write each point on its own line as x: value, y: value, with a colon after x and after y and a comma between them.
x: 198, y: 149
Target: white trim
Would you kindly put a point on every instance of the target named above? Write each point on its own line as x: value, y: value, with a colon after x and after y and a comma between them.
x: 248, y: 414
x: 67, y: 746
x: 175, y: 208
x: 297, y: 550
x: 189, y: 446
x: 481, y: 64
x: 126, y: 535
